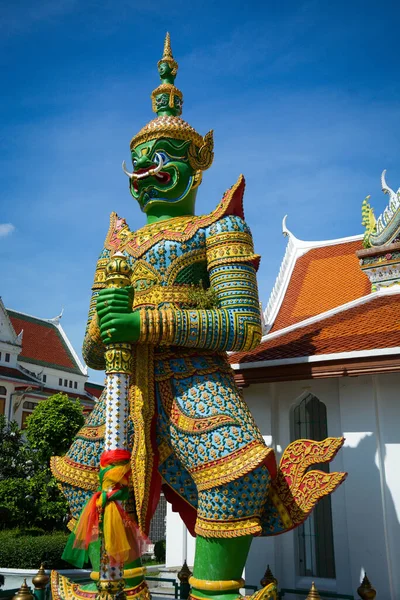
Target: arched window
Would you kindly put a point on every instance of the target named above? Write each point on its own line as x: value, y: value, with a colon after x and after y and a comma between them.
x: 315, y: 537
x: 3, y: 394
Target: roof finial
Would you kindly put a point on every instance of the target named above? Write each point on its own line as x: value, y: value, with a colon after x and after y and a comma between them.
x: 56, y: 320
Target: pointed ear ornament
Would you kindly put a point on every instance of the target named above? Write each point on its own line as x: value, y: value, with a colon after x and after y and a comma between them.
x: 198, y: 178
x: 200, y: 158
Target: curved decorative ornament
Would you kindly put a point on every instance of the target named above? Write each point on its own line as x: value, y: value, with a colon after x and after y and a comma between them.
x: 202, y: 158
x: 386, y: 228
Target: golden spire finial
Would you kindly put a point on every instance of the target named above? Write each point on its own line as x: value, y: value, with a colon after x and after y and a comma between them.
x: 167, y: 57
x: 366, y: 591
x: 40, y: 580
x: 268, y: 578
x: 313, y: 593
x: 24, y: 593
x: 167, y: 47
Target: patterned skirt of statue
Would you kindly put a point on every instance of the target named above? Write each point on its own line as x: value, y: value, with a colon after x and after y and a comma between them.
x: 213, y: 462
x: 192, y: 436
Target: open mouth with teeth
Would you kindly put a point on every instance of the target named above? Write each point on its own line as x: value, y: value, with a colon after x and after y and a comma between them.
x: 161, y: 176
x: 164, y: 178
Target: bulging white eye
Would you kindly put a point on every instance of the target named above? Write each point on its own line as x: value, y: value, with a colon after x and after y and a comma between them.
x: 160, y: 157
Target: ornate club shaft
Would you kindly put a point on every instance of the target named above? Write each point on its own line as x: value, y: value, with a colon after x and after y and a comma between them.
x: 118, y: 357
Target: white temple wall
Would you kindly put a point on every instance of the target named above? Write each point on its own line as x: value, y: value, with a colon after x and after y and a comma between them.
x: 53, y: 376
x: 263, y: 551
x: 10, y: 389
x: 279, y: 552
x: 366, y: 541
x: 180, y: 544
x: 388, y: 422
x: 365, y: 509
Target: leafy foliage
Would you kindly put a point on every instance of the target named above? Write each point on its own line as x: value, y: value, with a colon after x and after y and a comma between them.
x: 202, y: 297
x: 15, y: 459
x: 28, y: 492
x: 52, y: 426
x: 159, y: 551
x: 26, y: 551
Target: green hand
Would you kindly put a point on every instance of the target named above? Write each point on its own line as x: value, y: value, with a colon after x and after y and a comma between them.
x: 118, y: 323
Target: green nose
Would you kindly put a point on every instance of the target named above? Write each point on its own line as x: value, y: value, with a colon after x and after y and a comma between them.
x: 143, y: 163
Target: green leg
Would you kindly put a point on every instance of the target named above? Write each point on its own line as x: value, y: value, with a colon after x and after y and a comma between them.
x: 220, y: 560
x: 136, y: 580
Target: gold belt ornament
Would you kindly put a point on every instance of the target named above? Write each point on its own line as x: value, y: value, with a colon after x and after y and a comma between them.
x: 159, y: 294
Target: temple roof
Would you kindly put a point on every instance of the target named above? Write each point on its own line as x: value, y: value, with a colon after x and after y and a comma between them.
x: 322, y: 310
x: 16, y: 373
x: 95, y: 389
x: 45, y: 343
x: 366, y: 324
x: 51, y: 391
x: 315, y: 277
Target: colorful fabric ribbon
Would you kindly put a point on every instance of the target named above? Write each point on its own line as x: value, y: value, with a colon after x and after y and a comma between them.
x: 104, y: 516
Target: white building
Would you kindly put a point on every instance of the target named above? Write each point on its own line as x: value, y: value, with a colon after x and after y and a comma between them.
x: 36, y: 361
x: 329, y: 365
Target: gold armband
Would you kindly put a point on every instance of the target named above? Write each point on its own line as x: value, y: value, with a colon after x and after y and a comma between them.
x: 156, y: 326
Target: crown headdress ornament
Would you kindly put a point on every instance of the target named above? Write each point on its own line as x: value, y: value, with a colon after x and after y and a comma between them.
x: 167, y: 56
x: 167, y: 102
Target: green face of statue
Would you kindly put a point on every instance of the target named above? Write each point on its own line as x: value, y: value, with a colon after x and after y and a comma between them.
x: 162, y: 174
x: 164, y: 70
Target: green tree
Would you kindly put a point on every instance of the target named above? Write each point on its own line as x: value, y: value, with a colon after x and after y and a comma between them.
x: 15, y: 459
x: 29, y: 495
x: 53, y: 425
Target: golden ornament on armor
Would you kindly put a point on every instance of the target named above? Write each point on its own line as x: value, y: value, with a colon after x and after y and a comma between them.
x: 118, y: 271
x: 108, y: 589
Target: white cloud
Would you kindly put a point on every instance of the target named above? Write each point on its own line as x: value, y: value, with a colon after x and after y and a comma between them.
x: 6, y: 229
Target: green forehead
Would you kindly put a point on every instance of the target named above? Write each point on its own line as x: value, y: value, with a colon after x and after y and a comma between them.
x: 170, y: 145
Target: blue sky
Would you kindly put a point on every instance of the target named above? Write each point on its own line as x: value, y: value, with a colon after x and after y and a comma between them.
x: 303, y: 98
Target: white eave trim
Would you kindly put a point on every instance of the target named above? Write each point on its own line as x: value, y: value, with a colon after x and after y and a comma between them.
x: 16, y: 342
x: 392, y: 291
x: 82, y: 367
x: 317, y: 358
x: 294, y: 250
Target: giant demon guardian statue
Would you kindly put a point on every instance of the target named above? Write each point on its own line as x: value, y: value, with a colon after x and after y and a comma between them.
x: 168, y: 302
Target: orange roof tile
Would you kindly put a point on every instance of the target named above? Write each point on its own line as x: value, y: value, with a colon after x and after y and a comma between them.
x: 42, y: 342
x: 322, y: 279
x: 374, y: 324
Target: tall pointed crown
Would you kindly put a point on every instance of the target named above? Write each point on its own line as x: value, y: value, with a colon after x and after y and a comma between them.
x: 167, y: 56
x: 167, y: 102
x: 167, y: 99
